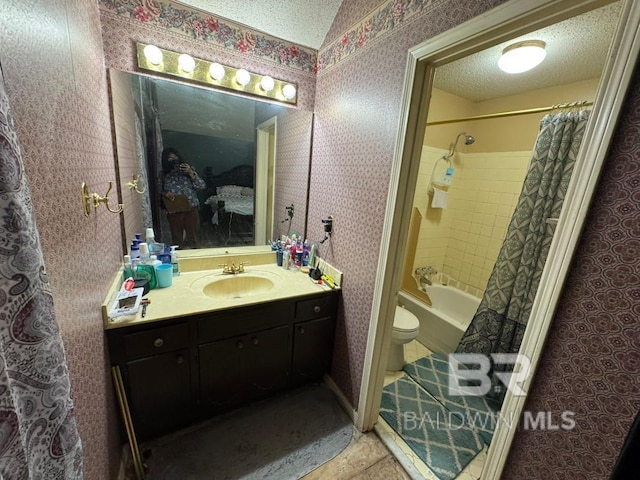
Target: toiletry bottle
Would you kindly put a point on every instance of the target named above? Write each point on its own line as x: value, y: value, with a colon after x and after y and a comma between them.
x: 299, y: 253
x: 448, y: 176
x: 305, y: 253
x: 150, y: 236
x: 127, y: 272
x: 144, y: 252
x: 134, y: 251
x: 146, y: 269
x: 286, y: 257
x: 147, y: 272
x: 153, y: 260
x: 312, y: 255
x: 174, y: 261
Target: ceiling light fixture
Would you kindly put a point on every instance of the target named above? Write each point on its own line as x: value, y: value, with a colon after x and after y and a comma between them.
x: 522, y: 56
x: 213, y: 74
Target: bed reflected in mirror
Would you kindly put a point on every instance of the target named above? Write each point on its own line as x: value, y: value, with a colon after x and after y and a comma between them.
x: 249, y: 159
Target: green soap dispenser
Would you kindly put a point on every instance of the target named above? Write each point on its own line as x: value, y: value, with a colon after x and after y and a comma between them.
x: 147, y: 272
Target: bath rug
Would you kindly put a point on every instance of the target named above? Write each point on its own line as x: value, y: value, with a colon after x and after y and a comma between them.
x: 432, y: 374
x: 280, y: 438
x: 444, y: 443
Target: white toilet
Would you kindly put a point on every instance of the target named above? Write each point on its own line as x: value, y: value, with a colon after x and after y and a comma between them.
x: 405, y: 329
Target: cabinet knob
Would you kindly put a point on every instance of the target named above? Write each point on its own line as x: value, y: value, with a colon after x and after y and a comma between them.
x: 158, y: 342
x: 180, y: 359
x: 316, y: 309
x: 301, y: 330
x: 255, y: 340
x: 239, y: 345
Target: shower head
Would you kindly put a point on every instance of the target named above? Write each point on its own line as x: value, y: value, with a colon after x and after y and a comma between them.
x: 468, y: 140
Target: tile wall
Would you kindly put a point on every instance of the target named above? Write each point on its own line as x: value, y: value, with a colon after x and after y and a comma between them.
x: 464, y: 239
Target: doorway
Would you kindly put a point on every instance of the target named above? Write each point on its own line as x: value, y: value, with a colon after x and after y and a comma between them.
x: 496, y: 27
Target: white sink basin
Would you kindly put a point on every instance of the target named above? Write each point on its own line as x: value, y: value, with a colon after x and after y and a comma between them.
x: 238, y: 286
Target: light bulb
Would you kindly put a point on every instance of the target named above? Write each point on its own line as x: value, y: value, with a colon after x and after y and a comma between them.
x: 186, y: 63
x: 153, y: 54
x: 267, y: 83
x: 289, y: 91
x: 216, y: 71
x: 243, y: 77
x: 522, y: 56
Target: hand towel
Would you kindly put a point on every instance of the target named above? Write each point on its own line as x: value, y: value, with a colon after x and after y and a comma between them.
x: 439, y: 199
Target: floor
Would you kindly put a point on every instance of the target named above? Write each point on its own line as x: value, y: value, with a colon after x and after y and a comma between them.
x: 383, y: 455
x: 413, y: 351
x: 365, y: 458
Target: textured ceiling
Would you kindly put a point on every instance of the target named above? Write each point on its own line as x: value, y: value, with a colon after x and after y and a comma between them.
x: 576, y: 50
x: 305, y: 22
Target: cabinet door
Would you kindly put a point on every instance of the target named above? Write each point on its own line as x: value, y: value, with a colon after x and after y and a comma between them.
x: 268, y: 361
x: 242, y: 368
x: 159, y: 393
x: 222, y: 367
x: 312, y: 349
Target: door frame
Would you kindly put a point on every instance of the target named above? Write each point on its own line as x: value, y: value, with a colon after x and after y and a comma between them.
x: 507, y: 21
x: 266, y: 133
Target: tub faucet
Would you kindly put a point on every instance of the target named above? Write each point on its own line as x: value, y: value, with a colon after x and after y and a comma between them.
x: 424, y: 273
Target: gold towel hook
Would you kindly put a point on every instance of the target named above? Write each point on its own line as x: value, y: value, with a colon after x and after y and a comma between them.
x: 133, y: 185
x: 97, y: 200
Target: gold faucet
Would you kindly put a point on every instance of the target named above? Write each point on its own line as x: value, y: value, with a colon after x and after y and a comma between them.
x: 233, y: 269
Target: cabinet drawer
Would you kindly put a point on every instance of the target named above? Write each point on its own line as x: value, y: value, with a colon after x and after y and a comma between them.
x: 317, y: 307
x: 155, y: 341
x: 243, y: 320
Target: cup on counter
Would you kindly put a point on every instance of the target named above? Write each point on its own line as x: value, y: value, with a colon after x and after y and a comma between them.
x: 164, y: 275
x: 279, y: 257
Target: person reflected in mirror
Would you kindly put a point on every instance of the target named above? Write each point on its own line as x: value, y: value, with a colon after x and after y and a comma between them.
x: 180, y: 180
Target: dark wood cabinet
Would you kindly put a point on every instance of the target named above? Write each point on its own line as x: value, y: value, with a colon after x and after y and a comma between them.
x: 183, y: 370
x: 243, y: 368
x: 159, y: 392
x: 312, y: 348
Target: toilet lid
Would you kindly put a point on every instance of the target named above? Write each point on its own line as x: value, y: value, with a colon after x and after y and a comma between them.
x: 405, y: 320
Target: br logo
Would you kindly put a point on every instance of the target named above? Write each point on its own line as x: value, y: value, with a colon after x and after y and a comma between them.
x: 470, y: 373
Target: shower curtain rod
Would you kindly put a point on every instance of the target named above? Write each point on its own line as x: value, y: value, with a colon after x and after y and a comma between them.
x: 512, y: 113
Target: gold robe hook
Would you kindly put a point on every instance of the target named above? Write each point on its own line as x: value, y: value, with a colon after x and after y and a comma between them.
x: 97, y: 200
x: 133, y: 185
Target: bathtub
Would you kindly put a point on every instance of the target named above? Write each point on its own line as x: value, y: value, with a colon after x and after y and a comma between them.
x: 442, y: 325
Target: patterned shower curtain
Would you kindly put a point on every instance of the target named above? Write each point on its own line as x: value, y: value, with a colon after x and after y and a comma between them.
x: 38, y: 434
x: 501, y: 319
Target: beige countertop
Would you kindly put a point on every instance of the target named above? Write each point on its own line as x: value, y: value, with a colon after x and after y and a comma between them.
x: 186, y: 296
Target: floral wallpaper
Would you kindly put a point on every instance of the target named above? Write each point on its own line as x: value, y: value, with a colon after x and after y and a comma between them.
x: 218, y: 31
x: 384, y: 19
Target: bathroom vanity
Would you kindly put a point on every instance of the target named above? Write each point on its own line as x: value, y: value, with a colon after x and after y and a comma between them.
x: 220, y: 352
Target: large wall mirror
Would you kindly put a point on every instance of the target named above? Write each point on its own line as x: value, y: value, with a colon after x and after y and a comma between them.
x: 250, y: 158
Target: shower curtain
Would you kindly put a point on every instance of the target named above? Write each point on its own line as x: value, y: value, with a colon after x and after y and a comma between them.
x: 501, y: 319
x: 38, y: 434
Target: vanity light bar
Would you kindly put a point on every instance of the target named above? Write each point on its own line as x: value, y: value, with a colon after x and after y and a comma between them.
x: 182, y: 65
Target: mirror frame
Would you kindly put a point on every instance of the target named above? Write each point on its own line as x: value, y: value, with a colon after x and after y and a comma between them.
x: 291, y: 152
x: 497, y: 25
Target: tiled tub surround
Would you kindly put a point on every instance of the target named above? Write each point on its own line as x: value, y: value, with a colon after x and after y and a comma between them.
x: 463, y: 240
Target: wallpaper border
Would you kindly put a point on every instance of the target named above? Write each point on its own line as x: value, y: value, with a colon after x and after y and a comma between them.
x: 199, y: 25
